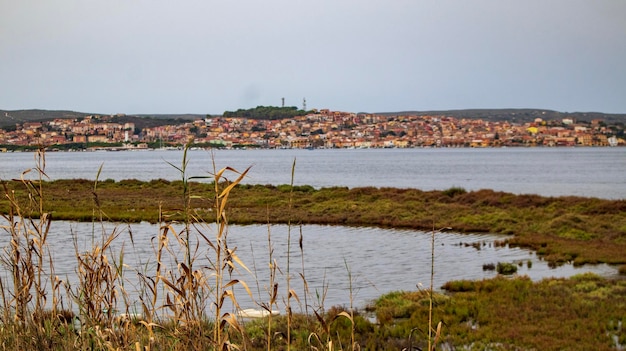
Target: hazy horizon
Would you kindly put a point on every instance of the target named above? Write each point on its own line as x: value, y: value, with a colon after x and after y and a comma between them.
x: 358, y: 111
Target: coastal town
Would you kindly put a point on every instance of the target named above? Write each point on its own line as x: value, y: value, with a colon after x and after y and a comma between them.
x: 316, y: 129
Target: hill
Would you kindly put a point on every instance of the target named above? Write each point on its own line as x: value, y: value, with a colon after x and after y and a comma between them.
x: 149, y: 121
x: 516, y: 115
x: 10, y: 118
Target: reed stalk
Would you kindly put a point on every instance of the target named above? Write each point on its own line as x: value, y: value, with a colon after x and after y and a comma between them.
x: 433, y: 339
x: 272, y: 288
x: 290, y: 292
x: 40, y: 235
x: 190, y: 282
x: 223, y: 265
x: 350, y: 316
x: 303, y: 275
x: 100, y: 285
x: 430, y: 291
x: 225, y: 260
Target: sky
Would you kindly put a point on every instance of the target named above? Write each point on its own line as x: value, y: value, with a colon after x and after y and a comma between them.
x: 208, y: 56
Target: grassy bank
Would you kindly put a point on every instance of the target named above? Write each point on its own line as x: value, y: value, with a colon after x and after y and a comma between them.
x: 562, y: 229
x: 585, y: 312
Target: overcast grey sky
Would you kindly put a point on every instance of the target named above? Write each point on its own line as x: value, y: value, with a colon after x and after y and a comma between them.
x: 207, y: 56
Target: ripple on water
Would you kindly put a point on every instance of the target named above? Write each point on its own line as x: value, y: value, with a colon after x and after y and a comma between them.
x: 379, y: 260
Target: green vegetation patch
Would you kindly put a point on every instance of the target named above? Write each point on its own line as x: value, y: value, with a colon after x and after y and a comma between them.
x: 266, y: 112
x: 581, y: 313
x: 506, y: 268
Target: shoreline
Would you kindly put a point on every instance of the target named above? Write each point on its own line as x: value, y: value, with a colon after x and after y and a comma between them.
x: 51, y: 148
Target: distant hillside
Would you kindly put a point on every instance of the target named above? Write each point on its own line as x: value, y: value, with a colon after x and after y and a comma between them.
x: 179, y: 116
x: 10, y: 118
x: 148, y: 121
x: 516, y: 115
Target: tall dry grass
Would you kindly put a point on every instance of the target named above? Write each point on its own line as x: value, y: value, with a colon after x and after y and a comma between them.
x: 28, y: 257
x: 175, y: 298
x: 33, y: 285
x: 184, y: 297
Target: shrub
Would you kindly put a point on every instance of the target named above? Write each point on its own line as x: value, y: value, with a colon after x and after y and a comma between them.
x: 159, y: 182
x: 506, y: 268
x: 131, y: 183
x: 304, y: 188
x: 455, y: 190
x: 460, y: 286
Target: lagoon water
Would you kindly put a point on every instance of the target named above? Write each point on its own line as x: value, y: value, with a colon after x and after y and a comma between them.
x: 589, y: 172
x: 380, y: 260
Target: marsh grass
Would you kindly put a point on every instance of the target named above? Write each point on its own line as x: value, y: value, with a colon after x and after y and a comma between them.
x: 561, y: 229
x: 581, y: 313
x: 554, y: 314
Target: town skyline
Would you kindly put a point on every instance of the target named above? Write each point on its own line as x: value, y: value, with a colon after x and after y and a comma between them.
x: 316, y: 129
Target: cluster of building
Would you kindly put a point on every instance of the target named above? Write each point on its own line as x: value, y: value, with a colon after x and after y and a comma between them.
x: 320, y: 129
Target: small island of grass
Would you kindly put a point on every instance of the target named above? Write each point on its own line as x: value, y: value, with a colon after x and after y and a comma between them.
x: 561, y: 229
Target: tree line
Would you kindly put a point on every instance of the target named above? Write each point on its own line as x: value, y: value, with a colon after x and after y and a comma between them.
x: 267, y: 112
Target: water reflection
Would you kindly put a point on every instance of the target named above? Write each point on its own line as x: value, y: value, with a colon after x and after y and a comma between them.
x: 380, y: 260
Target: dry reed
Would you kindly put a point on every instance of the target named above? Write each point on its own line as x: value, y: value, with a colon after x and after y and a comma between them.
x: 185, y: 292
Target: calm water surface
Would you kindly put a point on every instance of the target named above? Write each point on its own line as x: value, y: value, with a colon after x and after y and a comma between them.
x: 590, y: 172
x: 380, y: 260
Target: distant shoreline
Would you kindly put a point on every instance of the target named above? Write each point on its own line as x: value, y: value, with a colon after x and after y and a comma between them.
x: 5, y: 149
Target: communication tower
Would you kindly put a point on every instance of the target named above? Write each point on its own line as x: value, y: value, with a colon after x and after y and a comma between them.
x: 283, y: 105
x: 303, y: 104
